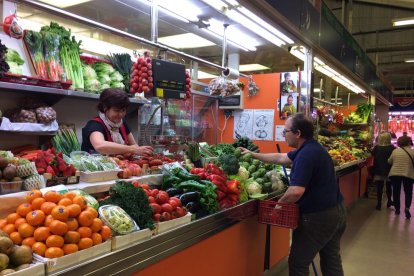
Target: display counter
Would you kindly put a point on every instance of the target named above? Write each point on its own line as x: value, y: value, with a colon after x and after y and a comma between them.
x: 352, y: 180
x: 230, y: 242
x: 231, y: 239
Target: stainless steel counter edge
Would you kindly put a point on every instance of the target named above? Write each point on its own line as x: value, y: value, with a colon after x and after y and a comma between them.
x: 142, y: 255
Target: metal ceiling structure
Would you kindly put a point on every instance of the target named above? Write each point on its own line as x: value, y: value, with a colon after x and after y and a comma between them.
x: 370, y: 22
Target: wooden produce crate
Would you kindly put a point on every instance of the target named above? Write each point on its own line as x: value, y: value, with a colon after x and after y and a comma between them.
x: 36, y: 269
x: 99, y: 176
x: 56, y: 264
x: 119, y: 242
x: 165, y: 226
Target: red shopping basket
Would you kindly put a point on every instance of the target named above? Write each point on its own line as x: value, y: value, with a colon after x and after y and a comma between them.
x: 278, y: 214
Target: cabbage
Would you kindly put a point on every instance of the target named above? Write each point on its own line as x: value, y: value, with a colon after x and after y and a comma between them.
x: 104, y: 79
x: 92, y: 85
x: 104, y: 86
x: 117, y: 85
x: 15, y: 68
x: 104, y: 68
x: 89, y: 73
x: 116, y: 77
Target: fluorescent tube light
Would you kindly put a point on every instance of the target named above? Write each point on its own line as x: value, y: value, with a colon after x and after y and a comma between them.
x: 266, y: 25
x: 252, y: 67
x: 190, y: 12
x: 217, y: 4
x: 409, y: 60
x: 185, y: 41
x: 228, y: 41
x: 316, y: 90
x: 252, y: 26
x: 65, y: 3
x: 298, y: 52
x: 403, y: 21
x: 324, y: 71
x: 233, y: 34
x: 318, y: 61
x: 234, y: 3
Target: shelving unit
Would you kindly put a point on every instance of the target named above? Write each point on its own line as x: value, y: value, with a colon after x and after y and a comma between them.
x: 58, y: 94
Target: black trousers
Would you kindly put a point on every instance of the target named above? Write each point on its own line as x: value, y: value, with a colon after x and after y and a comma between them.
x: 388, y: 190
x: 318, y: 232
x: 408, y: 190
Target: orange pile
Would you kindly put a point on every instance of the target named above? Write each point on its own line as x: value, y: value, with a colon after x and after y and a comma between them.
x: 54, y: 225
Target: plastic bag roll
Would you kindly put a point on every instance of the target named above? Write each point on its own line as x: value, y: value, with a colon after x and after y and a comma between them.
x: 230, y: 73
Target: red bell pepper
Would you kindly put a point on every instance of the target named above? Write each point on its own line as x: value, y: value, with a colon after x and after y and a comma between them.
x: 197, y: 170
x: 225, y: 203
x: 215, y: 177
x: 233, y: 198
x: 220, y: 195
x: 233, y: 186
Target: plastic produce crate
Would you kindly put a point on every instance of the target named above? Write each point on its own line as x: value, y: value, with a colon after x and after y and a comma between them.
x: 278, y: 214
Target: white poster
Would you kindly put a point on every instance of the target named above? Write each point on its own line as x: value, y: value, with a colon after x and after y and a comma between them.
x: 263, y: 124
x: 279, y: 133
x: 243, y: 123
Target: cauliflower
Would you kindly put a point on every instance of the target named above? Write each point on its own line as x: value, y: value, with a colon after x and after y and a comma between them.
x: 253, y: 187
x: 243, y: 173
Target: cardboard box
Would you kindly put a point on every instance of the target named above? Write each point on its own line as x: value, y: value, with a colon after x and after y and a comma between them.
x: 119, y: 242
x: 165, y: 226
x: 56, y: 264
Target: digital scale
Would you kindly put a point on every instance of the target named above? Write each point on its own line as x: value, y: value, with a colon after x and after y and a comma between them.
x: 169, y: 79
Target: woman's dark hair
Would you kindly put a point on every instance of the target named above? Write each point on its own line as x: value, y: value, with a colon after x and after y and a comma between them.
x: 302, y: 123
x: 113, y: 97
x: 286, y: 75
x: 290, y: 96
x: 403, y: 141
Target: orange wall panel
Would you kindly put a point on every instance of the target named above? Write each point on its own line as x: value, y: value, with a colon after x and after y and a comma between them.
x: 235, y: 251
x: 267, y: 98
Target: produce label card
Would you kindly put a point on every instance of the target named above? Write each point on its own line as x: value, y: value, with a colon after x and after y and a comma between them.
x: 279, y: 133
x: 263, y: 124
x: 243, y: 123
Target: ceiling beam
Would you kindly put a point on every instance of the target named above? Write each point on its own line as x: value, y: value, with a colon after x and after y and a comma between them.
x: 402, y: 48
x: 386, y: 4
x: 385, y: 30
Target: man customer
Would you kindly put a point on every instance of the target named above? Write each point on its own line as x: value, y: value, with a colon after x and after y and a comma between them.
x: 314, y: 187
x: 381, y: 152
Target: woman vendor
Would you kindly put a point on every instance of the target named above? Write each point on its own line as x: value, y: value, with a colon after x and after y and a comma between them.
x: 108, y: 133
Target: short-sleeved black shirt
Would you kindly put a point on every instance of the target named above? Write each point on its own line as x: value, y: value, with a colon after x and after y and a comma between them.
x: 313, y: 169
x: 93, y: 126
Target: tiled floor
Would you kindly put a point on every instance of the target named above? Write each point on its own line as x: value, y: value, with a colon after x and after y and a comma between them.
x: 375, y: 243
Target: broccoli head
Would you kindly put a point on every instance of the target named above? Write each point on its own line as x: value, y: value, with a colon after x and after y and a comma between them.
x: 229, y: 163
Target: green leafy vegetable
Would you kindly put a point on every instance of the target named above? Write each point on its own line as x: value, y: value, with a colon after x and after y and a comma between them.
x: 229, y: 163
x: 133, y: 200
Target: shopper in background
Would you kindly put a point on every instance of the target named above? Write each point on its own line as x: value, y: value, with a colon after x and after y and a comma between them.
x: 380, y: 153
x: 314, y: 187
x: 409, y: 137
x: 109, y: 133
x: 402, y: 171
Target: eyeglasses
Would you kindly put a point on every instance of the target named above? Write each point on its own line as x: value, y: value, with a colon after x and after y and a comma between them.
x: 286, y: 131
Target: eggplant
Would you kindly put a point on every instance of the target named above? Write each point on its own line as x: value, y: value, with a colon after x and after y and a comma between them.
x: 173, y: 191
x: 193, y: 206
x: 188, y: 197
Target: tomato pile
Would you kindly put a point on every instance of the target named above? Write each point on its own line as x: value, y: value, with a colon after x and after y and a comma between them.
x: 163, y: 206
